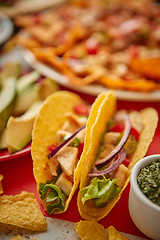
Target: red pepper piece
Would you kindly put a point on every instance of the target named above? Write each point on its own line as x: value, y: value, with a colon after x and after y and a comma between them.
x: 80, y: 149
x: 135, y: 133
x: 117, y: 128
x: 126, y: 162
x: 120, y: 127
x: 51, y: 147
x: 82, y: 109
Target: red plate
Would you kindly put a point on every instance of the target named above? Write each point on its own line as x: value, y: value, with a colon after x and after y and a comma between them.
x: 5, y: 155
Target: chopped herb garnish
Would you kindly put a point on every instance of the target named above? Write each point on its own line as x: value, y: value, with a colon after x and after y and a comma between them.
x: 149, y: 181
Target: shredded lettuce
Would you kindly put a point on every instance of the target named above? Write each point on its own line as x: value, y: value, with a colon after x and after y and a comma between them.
x: 53, y: 196
x: 101, y: 190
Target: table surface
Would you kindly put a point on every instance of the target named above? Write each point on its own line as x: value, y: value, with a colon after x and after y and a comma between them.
x: 18, y: 176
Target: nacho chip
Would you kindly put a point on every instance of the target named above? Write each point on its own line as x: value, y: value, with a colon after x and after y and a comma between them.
x: 90, y: 230
x: 18, y: 237
x: 1, y: 188
x: 21, y: 213
x: 100, y: 118
x: 113, y: 234
x: 48, y: 121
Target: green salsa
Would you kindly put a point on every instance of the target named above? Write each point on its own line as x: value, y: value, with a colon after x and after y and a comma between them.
x: 149, y: 181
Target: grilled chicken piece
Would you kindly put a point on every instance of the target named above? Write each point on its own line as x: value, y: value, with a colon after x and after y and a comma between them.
x: 64, y: 183
x: 111, y: 138
x: 73, y: 122
x: 107, y: 151
x: 67, y: 157
x: 54, y: 164
x: 81, y: 135
x: 121, y: 174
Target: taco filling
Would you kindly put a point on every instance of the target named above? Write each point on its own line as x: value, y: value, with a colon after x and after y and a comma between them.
x: 63, y: 158
x: 110, y: 170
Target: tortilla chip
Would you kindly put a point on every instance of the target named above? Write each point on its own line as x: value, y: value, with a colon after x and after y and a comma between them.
x: 113, y: 234
x: 1, y: 188
x: 21, y: 213
x: 48, y: 121
x: 90, y: 230
x: 18, y: 237
x: 150, y: 119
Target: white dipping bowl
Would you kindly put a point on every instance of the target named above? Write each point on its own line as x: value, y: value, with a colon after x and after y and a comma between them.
x: 144, y: 213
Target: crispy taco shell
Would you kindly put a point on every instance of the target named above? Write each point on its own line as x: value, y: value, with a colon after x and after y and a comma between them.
x: 97, y: 121
x: 48, y: 121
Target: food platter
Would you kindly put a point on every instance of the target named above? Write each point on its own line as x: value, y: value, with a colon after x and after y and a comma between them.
x: 27, y: 6
x: 5, y: 155
x: 61, y: 229
x: 6, y: 28
x: 92, y: 89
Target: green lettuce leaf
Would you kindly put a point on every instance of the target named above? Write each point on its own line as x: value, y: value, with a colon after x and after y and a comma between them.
x: 53, y: 196
x: 101, y: 190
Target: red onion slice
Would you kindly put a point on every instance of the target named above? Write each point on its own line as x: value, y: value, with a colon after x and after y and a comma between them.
x: 119, y: 117
x: 66, y: 142
x: 118, y: 160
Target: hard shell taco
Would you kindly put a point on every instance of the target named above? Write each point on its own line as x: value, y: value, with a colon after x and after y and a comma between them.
x: 114, y: 142
x: 57, y: 144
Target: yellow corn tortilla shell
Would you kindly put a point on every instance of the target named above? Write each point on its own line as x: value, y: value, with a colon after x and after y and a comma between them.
x: 149, y: 116
x: 49, y: 120
x: 113, y: 234
x: 21, y: 214
x: 90, y: 230
x: 1, y: 187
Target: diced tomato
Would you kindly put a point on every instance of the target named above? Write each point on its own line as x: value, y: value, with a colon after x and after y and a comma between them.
x: 126, y: 162
x: 92, y: 46
x: 119, y: 127
x: 134, y: 51
x: 51, y: 147
x: 82, y: 109
x: 80, y: 149
x: 135, y: 133
x: 37, y: 19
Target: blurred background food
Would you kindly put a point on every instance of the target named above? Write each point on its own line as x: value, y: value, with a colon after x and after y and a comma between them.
x: 107, y: 46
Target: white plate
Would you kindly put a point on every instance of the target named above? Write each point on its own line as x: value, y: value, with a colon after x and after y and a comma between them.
x: 59, y: 230
x: 6, y: 28
x: 28, y: 6
x: 92, y: 89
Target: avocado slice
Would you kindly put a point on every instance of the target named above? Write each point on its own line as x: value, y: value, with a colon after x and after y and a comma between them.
x: 10, y: 69
x: 3, y: 144
x: 27, y: 80
x: 19, y: 129
x: 27, y: 92
x: 25, y: 99
x: 7, y: 100
x: 47, y: 87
